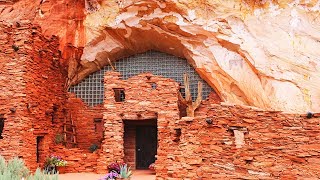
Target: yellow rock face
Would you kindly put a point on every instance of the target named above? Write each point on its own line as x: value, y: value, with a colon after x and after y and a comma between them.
x: 251, y: 52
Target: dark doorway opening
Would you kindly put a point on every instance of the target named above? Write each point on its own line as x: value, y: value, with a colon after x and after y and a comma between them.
x: 1, y: 126
x: 98, y: 128
x: 40, y: 149
x: 140, y: 142
x: 146, y: 146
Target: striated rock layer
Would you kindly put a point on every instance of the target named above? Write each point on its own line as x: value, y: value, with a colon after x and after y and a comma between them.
x: 253, y: 53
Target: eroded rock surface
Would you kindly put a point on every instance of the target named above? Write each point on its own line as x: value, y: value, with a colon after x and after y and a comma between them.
x: 251, y: 52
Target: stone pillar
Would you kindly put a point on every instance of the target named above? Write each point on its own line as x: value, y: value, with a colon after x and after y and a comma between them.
x: 112, y: 145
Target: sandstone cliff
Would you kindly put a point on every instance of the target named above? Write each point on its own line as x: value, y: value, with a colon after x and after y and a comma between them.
x: 257, y: 53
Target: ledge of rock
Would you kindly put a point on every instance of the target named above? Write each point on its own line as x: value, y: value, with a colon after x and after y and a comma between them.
x: 256, y: 53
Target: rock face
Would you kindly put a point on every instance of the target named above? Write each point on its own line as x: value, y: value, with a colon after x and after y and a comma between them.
x: 251, y: 52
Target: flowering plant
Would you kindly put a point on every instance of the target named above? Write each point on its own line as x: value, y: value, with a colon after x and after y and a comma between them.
x: 110, y: 176
x: 118, y: 170
x: 115, y: 167
x: 152, y: 166
x: 53, y: 160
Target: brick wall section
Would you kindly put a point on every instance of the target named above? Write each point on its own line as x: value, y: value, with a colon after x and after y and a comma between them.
x: 275, y: 145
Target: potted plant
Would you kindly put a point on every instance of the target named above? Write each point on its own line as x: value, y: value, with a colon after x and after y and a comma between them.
x: 55, y: 164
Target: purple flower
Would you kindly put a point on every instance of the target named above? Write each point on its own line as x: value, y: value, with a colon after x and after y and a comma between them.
x: 110, y: 175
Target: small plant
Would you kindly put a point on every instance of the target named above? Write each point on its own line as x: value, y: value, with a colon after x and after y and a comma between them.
x: 115, y: 167
x: 152, y: 166
x: 42, y: 175
x: 93, y: 148
x: 110, y: 176
x: 58, y: 138
x: 52, y: 162
x: 55, y: 161
x: 15, y: 47
x: 15, y: 169
x: 125, y: 172
x: 309, y: 115
x: 118, y: 170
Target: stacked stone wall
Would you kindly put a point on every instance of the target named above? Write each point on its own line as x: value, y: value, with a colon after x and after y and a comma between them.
x: 146, y: 97
x: 12, y: 90
x: 32, y: 92
x: 78, y: 160
x: 244, y: 142
x: 89, y: 132
x: 46, y: 94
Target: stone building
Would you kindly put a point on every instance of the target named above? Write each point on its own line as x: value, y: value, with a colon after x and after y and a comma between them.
x: 109, y: 74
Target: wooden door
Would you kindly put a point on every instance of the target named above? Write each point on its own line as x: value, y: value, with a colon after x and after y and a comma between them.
x: 146, y: 146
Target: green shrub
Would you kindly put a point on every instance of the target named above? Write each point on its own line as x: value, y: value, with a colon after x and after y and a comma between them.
x: 3, y: 165
x: 41, y: 175
x: 59, y: 138
x: 15, y: 169
x: 93, y: 148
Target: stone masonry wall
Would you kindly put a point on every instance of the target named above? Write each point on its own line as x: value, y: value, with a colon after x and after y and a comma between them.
x: 141, y: 102
x: 243, y: 142
x: 12, y: 90
x: 78, y: 160
x: 46, y: 94
x: 31, y: 82
x: 88, y: 131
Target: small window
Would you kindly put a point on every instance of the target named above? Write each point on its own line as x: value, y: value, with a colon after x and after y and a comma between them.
x: 119, y: 94
x: 97, y: 124
x: 1, y: 126
x: 154, y: 85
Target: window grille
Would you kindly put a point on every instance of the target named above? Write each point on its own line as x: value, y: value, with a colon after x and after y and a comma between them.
x: 91, y: 89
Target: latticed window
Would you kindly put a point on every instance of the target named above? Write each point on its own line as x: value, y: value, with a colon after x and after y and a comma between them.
x: 91, y: 89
